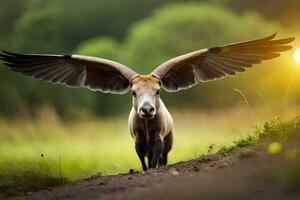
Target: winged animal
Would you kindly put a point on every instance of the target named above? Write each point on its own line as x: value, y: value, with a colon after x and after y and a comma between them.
x: 150, y: 123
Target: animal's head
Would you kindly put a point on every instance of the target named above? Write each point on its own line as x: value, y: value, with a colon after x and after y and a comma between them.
x: 145, y: 95
x: 176, y: 74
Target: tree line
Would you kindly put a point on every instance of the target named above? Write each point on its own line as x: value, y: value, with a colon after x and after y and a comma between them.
x: 140, y: 34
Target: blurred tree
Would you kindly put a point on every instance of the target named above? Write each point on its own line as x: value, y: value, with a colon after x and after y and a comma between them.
x: 105, y: 47
x: 49, y: 26
x: 59, y: 26
x: 181, y: 28
x: 108, y: 48
x: 10, y: 11
x: 42, y: 30
x: 286, y: 12
x: 64, y: 27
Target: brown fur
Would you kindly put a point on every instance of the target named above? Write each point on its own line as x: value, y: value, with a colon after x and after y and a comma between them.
x: 150, y: 134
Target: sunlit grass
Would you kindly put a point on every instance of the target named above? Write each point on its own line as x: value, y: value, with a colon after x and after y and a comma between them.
x: 104, y: 146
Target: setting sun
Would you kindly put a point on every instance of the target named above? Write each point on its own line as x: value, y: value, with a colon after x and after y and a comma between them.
x: 297, y: 55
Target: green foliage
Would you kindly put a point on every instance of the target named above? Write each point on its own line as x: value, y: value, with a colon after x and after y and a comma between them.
x: 58, y: 26
x: 12, y: 104
x: 45, y: 26
x: 286, y: 13
x: 49, y: 36
x: 272, y: 129
x: 10, y: 11
x: 181, y: 28
x: 99, y: 29
x: 275, y: 128
x: 104, y: 47
x: 177, y: 29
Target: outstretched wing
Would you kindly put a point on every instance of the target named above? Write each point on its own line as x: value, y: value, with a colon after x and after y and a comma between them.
x: 187, y: 70
x: 94, y: 73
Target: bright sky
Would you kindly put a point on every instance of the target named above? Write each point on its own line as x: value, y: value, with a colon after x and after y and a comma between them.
x: 297, y: 55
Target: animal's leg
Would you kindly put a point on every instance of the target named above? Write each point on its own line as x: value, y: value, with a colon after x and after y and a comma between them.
x: 161, y: 161
x: 150, y: 156
x: 157, y: 151
x: 168, y: 142
x: 140, y: 148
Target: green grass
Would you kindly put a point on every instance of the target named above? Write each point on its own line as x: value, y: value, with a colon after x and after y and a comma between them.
x: 20, y: 179
x: 77, y: 150
x: 274, y: 128
x: 101, y: 145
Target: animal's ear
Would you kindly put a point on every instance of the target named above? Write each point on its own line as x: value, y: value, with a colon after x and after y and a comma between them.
x: 96, y: 74
x: 187, y: 70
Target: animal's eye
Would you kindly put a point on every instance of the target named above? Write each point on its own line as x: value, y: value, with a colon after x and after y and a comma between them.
x: 133, y: 93
x: 157, y: 92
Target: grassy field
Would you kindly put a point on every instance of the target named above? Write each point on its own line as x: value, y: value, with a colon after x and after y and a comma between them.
x: 104, y: 146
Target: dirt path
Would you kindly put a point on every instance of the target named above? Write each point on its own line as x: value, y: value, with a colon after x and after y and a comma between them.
x: 243, y: 174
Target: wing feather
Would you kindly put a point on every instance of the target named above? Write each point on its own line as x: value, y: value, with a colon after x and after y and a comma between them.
x: 75, y: 71
x: 218, y: 62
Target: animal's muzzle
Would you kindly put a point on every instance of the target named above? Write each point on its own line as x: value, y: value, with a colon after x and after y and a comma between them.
x: 147, y: 111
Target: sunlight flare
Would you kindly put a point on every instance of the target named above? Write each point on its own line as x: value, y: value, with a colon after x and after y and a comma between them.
x: 297, y: 55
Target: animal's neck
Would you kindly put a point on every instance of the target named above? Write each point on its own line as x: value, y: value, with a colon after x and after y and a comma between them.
x: 146, y: 126
x: 148, y: 123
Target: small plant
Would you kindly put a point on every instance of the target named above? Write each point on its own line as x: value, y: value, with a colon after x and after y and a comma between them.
x: 246, y: 101
x: 227, y: 149
x: 210, y: 149
x: 274, y: 128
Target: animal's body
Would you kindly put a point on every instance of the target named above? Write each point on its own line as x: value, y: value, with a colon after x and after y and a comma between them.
x: 150, y: 123
x: 153, y: 137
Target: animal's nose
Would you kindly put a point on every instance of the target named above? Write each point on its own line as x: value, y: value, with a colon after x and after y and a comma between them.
x: 147, y: 109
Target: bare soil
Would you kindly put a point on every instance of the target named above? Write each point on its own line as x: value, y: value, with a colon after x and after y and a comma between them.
x: 249, y: 173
